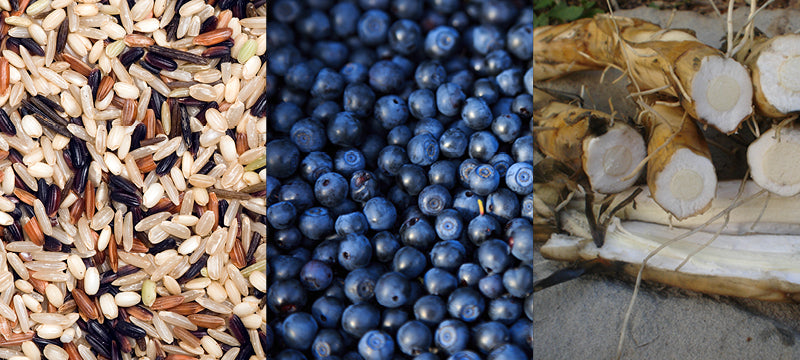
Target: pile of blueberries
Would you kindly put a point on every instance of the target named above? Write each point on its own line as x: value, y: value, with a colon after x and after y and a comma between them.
x: 400, y: 179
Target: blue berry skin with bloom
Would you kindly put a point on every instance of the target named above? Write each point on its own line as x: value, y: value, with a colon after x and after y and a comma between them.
x: 491, y: 286
x: 466, y: 203
x: 346, y: 162
x: 439, y: 282
x: 373, y: 27
x: 286, y: 296
x: 344, y: 130
x: 482, y: 146
x: 452, y: 336
x: 391, y: 111
x: 520, y: 41
x: 529, y: 81
x: 281, y: 215
x: 430, y: 310
x: 326, y: 111
x: 507, y: 127
x: 483, y: 39
x: 449, y: 225
x: 376, y: 345
x: 286, y: 10
x: 476, y: 113
x: 484, y: 180
x: 308, y: 135
x: 486, y: 90
x: 519, y: 178
x: 434, y: 199
x: 489, y: 336
x: 422, y: 104
x: 510, y: 82
x: 353, y: 72
x: 493, y: 256
x: 363, y: 186
x: 359, y: 318
x: 409, y: 262
x: 449, y: 98
x: 328, y: 84
x: 448, y: 255
x: 466, y: 304
x: 505, y: 310
x: 316, y: 223
x: 441, y: 42
x: 331, y: 189
x: 392, y: 290
x: 469, y: 274
x: 299, y: 193
x: 315, y: 25
x: 299, y: 330
x: 521, y: 242
x: 444, y: 173
x: 359, y: 285
x: 519, y: 281
x: 527, y: 207
x: 380, y: 214
x: 300, y: 76
x: 385, y: 76
x: 453, y: 143
x: 503, y: 204
x: 418, y: 233
x: 412, y: 179
x: 481, y: 228
x: 391, y: 159
x: 327, y: 311
x: 523, y: 106
x: 413, y: 338
x: 522, y: 334
x: 423, y: 150
x: 358, y: 99
x: 399, y: 136
x: 327, y: 343
x: 284, y: 116
x: 352, y: 223
x: 283, y: 157
x: 316, y: 275
x: 344, y: 18
x: 507, y: 352
x: 393, y: 319
x: 285, y: 267
x: 501, y: 162
x: 496, y: 62
x: 522, y: 149
x: 429, y: 75
x: 355, y: 252
x: 314, y: 165
x: 385, y: 245
x: 430, y: 126
x: 405, y: 37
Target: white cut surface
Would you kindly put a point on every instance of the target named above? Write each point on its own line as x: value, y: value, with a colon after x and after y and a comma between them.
x: 774, y: 164
x: 722, y: 92
x: 779, y: 73
x: 686, y: 184
x: 612, y: 156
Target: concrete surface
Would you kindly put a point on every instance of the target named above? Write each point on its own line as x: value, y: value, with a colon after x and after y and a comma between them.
x: 582, y: 319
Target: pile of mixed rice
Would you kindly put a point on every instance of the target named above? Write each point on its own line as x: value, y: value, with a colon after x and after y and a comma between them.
x: 132, y: 179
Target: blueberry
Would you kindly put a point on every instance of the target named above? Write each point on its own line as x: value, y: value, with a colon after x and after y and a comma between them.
x: 505, y: 310
x: 522, y: 149
x: 359, y: 285
x: 283, y: 58
x: 466, y: 203
x: 519, y: 178
x: 299, y: 193
x: 288, y: 238
x: 372, y: 27
x: 399, y: 198
x: 399, y: 136
x: 327, y: 311
x: 501, y: 161
x: 489, y: 336
x: 355, y: 252
x: 314, y: 165
x: 327, y: 343
x: 393, y: 319
x: 286, y: 10
x: 526, y: 210
x: 491, y: 286
x: 444, y: 173
x: 522, y: 334
x: 430, y: 310
x: 429, y: 75
x: 449, y: 98
x: 486, y: 90
x: 423, y: 149
x: 315, y: 25
x: 452, y: 336
x: 316, y: 223
x: 290, y: 354
x: 499, y: 12
x: 418, y: 233
x: 344, y: 17
x: 358, y: 99
x: 523, y: 106
x: 380, y: 214
x: 521, y: 241
x: 284, y: 267
x: 330, y: 189
x: 392, y: 290
x: 466, y: 304
x: 348, y: 161
x: 308, y: 135
x: 496, y: 62
x: 371, y: 147
x: 430, y: 126
x: 483, y: 39
x: 407, y: 9
x: 422, y: 104
x: 328, y: 84
x: 442, y: 42
x: 391, y: 111
x: 503, y: 204
x: 359, y: 318
x: 493, y: 256
x: 345, y: 129
x: 376, y: 345
x: 519, y: 281
x: 520, y: 41
x: 281, y: 215
x: 352, y: 223
x: 412, y: 178
x: 284, y: 116
x: 481, y: 228
x: 469, y: 274
x: 363, y: 186
x: 507, y: 352
x: 409, y: 262
x: 484, y: 179
x: 482, y: 146
x: 510, y: 82
x: 434, y: 199
x: 283, y: 157
x: 385, y: 76
x: 354, y: 73
x: 529, y: 80
x: 301, y: 76
x: 405, y: 37
x: 385, y: 245
x: 391, y: 159
x: 316, y: 275
x: 413, y: 338
x: 476, y: 114
x: 325, y: 111
x: 507, y: 127
x: 286, y: 296
x: 448, y: 255
x: 439, y: 282
x: 453, y: 143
